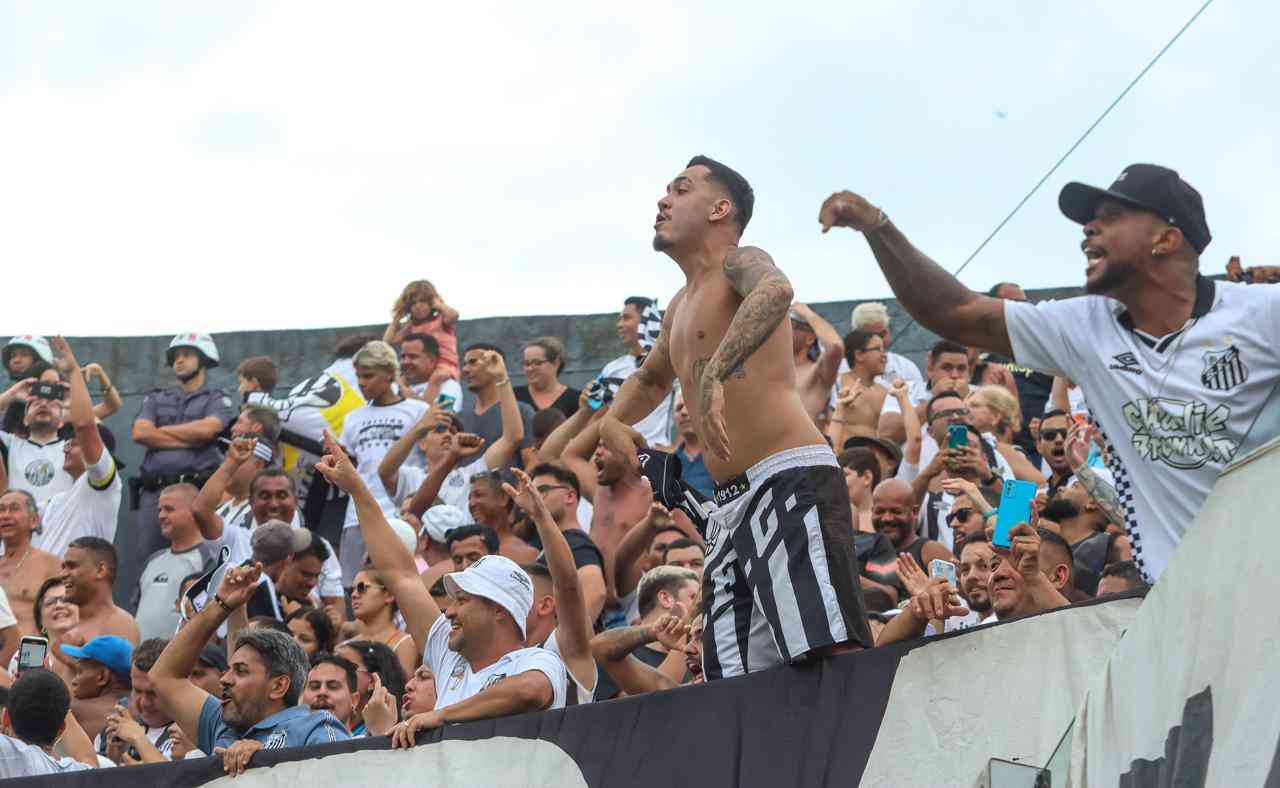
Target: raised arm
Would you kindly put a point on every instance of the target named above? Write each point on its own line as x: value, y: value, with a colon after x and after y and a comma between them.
x: 910, y: 422
x: 178, y: 697
x: 398, y: 452
x: 626, y: 558
x: 448, y: 315
x: 81, y: 411
x: 573, y: 620
x: 829, y: 340
x: 385, y: 549
x: 928, y: 292
x: 641, y: 393
x: 111, y: 401
x: 766, y: 298
x: 204, y: 507
x: 429, y: 490
x: 612, y: 650
x: 556, y: 443
x: 504, y: 448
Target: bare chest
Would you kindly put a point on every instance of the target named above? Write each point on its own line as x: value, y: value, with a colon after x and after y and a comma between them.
x: 699, y: 325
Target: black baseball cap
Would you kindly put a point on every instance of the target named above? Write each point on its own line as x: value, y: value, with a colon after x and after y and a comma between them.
x: 1148, y: 187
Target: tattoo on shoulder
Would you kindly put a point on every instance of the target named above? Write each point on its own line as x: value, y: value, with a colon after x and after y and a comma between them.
x: 746, y: 266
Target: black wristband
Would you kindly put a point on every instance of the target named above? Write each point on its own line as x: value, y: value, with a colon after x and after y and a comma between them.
x: 221, y: 603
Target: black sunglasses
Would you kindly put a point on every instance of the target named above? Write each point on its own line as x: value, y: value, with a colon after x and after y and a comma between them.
x: 363, y: 587
x: 959, y: 514
x: 1052, y: 435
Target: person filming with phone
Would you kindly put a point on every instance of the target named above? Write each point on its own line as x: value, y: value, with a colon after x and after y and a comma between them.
x: 35, y: 461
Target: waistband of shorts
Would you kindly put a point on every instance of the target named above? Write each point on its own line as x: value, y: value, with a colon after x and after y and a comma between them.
x: 799, y: 457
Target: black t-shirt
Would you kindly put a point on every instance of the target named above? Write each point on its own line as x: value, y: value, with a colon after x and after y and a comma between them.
x: 585, y: 552
x: 566, y: 403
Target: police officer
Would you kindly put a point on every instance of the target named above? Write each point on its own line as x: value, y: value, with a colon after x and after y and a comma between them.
x: 179, y: 426
x: 24, y: 356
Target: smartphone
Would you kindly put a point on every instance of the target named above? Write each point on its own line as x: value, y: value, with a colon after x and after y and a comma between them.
x: 1015, y: 508
x: 595, y: 394
x: 957, y: 436
x: 53, y: 391
x: 945, y: 569
x: 32, y: 652
x: 445, y: 402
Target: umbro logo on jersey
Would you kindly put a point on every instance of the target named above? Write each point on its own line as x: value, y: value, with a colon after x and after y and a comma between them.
x: 1223, y: 369
x: 1126, y: 362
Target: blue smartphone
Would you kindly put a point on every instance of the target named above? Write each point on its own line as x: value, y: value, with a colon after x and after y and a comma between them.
x: 957, y: 436
x: 595, y: 394
x: 1015, y: 508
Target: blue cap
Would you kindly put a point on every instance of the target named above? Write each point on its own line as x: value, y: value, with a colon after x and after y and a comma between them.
x: 114, y: 652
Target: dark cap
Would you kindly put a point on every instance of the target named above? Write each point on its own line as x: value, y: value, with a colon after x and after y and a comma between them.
x: 276, y: 540
x: 887, y: 446
x: 1148, y: 187
x: 214, y: 656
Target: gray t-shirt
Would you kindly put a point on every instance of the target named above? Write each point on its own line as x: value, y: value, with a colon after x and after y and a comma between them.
x: 488, y: 425
x: 158, y: 587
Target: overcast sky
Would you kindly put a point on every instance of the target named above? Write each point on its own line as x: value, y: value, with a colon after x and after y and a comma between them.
x: 172, y: 167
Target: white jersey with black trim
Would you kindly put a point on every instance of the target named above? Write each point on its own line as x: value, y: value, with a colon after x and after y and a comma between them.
x: 1174, y: 410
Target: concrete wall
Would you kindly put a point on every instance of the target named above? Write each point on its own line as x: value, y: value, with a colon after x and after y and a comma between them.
x: 136, y: 365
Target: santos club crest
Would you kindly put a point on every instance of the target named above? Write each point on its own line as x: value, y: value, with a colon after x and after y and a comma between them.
x: 1223, y: 369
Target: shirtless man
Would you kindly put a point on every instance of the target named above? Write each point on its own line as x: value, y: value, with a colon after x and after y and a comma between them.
x: 727, y: 338
x: 88, y: 570
x: 23, y: 567
x: 861, y: 399
x: 816, y: 369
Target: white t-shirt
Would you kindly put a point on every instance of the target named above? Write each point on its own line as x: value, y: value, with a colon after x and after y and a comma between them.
x: 455, y: 681
x: 1174, y: 410
x: 36, y: 468
x: 367, y: 433
x: 585, y: 695
x: 657, y: 426
x: 89, y: 508
x: 19, y: 759
x: 455, y: 490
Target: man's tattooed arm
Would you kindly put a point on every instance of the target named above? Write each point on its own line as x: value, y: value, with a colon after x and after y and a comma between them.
x: 766, y: 297
x: 1104, y: 494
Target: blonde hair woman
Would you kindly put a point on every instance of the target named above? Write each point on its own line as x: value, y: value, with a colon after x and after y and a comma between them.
x: 994, y: 411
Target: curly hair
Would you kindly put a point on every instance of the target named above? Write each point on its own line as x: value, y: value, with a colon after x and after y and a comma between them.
x: 417, y: 290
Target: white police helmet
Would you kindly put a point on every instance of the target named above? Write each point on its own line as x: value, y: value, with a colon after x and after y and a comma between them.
x: 36, y: 344
x: 201, y: 343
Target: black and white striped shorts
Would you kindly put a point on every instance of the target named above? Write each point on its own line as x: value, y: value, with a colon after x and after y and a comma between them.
x: 780, y: 580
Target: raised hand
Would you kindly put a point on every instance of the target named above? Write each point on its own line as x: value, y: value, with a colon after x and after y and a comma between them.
x: 937, y: 600
x: 901, y: 391
x: 380, y: 712
x: 1078, y: 444
x: 1025, y: 550
x: 671, y: 632
x: 622, y: 440
x: 494, y: 365
x: 64, y: 359
x: 911, y: 575
x: 240, y: 451
x: 335, y: 466
x: 526, y: 495
x: 846, y: 209
x: 238, y: 584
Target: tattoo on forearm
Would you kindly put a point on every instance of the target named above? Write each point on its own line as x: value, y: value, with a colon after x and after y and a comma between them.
x: 766, y: 299
x: 1103, y: 493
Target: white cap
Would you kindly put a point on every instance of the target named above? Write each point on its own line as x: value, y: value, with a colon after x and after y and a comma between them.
x: 499, y: 580
x: 36, y: 344
x: 408, y: 536
x: 438, y: 521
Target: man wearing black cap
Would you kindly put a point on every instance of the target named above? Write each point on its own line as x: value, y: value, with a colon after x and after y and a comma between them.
x: 1175, y: 366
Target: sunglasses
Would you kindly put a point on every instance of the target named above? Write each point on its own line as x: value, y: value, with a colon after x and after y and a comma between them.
x: 363, y: 587
x: 1053, y: 435
x: 959, y: 515
x: 954, y: 413
x: 441, y: 428
x: 543, y: 489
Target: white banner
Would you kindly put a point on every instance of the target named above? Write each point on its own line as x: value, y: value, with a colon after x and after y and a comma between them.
x: 1190, y: 694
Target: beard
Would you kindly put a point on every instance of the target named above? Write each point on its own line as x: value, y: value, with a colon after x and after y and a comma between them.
x: 1115, y: 276
x: 981, y: 604
x: 661, y: 244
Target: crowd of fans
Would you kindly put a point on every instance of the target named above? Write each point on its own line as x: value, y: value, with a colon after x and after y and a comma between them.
x: 486, y: 553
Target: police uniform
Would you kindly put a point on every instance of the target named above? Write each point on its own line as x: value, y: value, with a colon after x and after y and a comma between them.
x: 163, y: 467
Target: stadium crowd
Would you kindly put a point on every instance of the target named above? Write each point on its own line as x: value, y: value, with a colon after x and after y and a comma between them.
x: 490, y: 551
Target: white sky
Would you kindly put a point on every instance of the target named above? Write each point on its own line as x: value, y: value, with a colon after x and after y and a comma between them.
x: 171, y: 167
